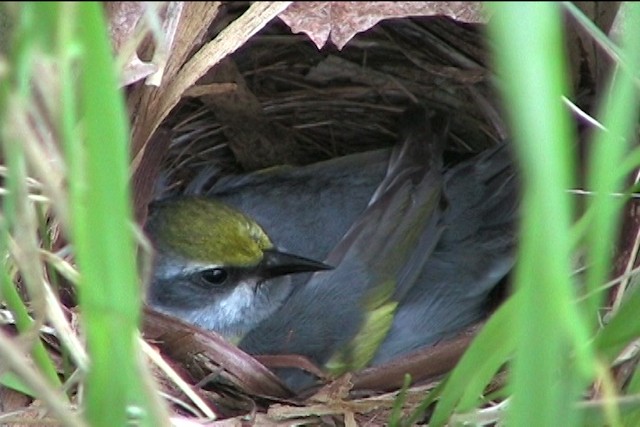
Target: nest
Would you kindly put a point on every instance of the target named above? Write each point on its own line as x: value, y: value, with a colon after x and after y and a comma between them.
x: 280, y: 100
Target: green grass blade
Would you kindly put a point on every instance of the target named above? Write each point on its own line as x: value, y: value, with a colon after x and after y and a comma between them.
x: 488, y: 352
x: 398, y: 403
x: 109, y: 293
x: 618, y: 113
x: 547, y: 325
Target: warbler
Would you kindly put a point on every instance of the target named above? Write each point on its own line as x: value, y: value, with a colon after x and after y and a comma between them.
x: 410, y: 251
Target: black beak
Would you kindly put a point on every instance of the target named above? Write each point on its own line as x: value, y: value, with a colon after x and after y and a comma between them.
x: 275, y: 263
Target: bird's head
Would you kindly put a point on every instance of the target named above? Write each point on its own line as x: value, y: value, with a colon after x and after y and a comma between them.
x: 215, y: 267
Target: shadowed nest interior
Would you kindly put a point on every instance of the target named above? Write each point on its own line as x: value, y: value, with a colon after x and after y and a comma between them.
x: 280, y: 100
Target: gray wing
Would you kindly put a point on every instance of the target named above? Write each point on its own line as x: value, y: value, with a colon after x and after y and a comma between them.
x: 327, y: 312
x: 476, y: 250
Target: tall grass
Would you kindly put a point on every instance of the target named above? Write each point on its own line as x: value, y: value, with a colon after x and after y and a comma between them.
x: 550, y: 335
x: 61, y: 70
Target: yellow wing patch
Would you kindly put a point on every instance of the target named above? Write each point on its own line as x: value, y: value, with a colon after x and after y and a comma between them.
x: 379, y: 316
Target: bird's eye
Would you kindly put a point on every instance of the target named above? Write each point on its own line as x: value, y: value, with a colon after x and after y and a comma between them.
x: 214, y: 276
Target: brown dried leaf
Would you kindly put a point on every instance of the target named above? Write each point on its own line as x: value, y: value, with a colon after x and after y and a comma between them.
x: 335, y: 392
x: 290, y: 361
x: 129, y: 24
x: 425, y: 364
x: 11, y: 400
x: 375, y: 407
x: 123, y: 18
x: 343, y: 20
x: 135, y: 69
x: 202, y: 352
x: 126, y: 31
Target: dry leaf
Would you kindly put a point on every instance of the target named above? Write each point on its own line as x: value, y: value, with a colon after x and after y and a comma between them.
x: 126, y: 31
x: 205, y: 352
x: 343, y: 20
x: 123, y: 19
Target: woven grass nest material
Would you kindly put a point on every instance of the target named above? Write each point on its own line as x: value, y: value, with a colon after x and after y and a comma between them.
x: 289, y: 103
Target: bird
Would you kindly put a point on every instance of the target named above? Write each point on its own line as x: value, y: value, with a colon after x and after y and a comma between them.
x: 410, y: 251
